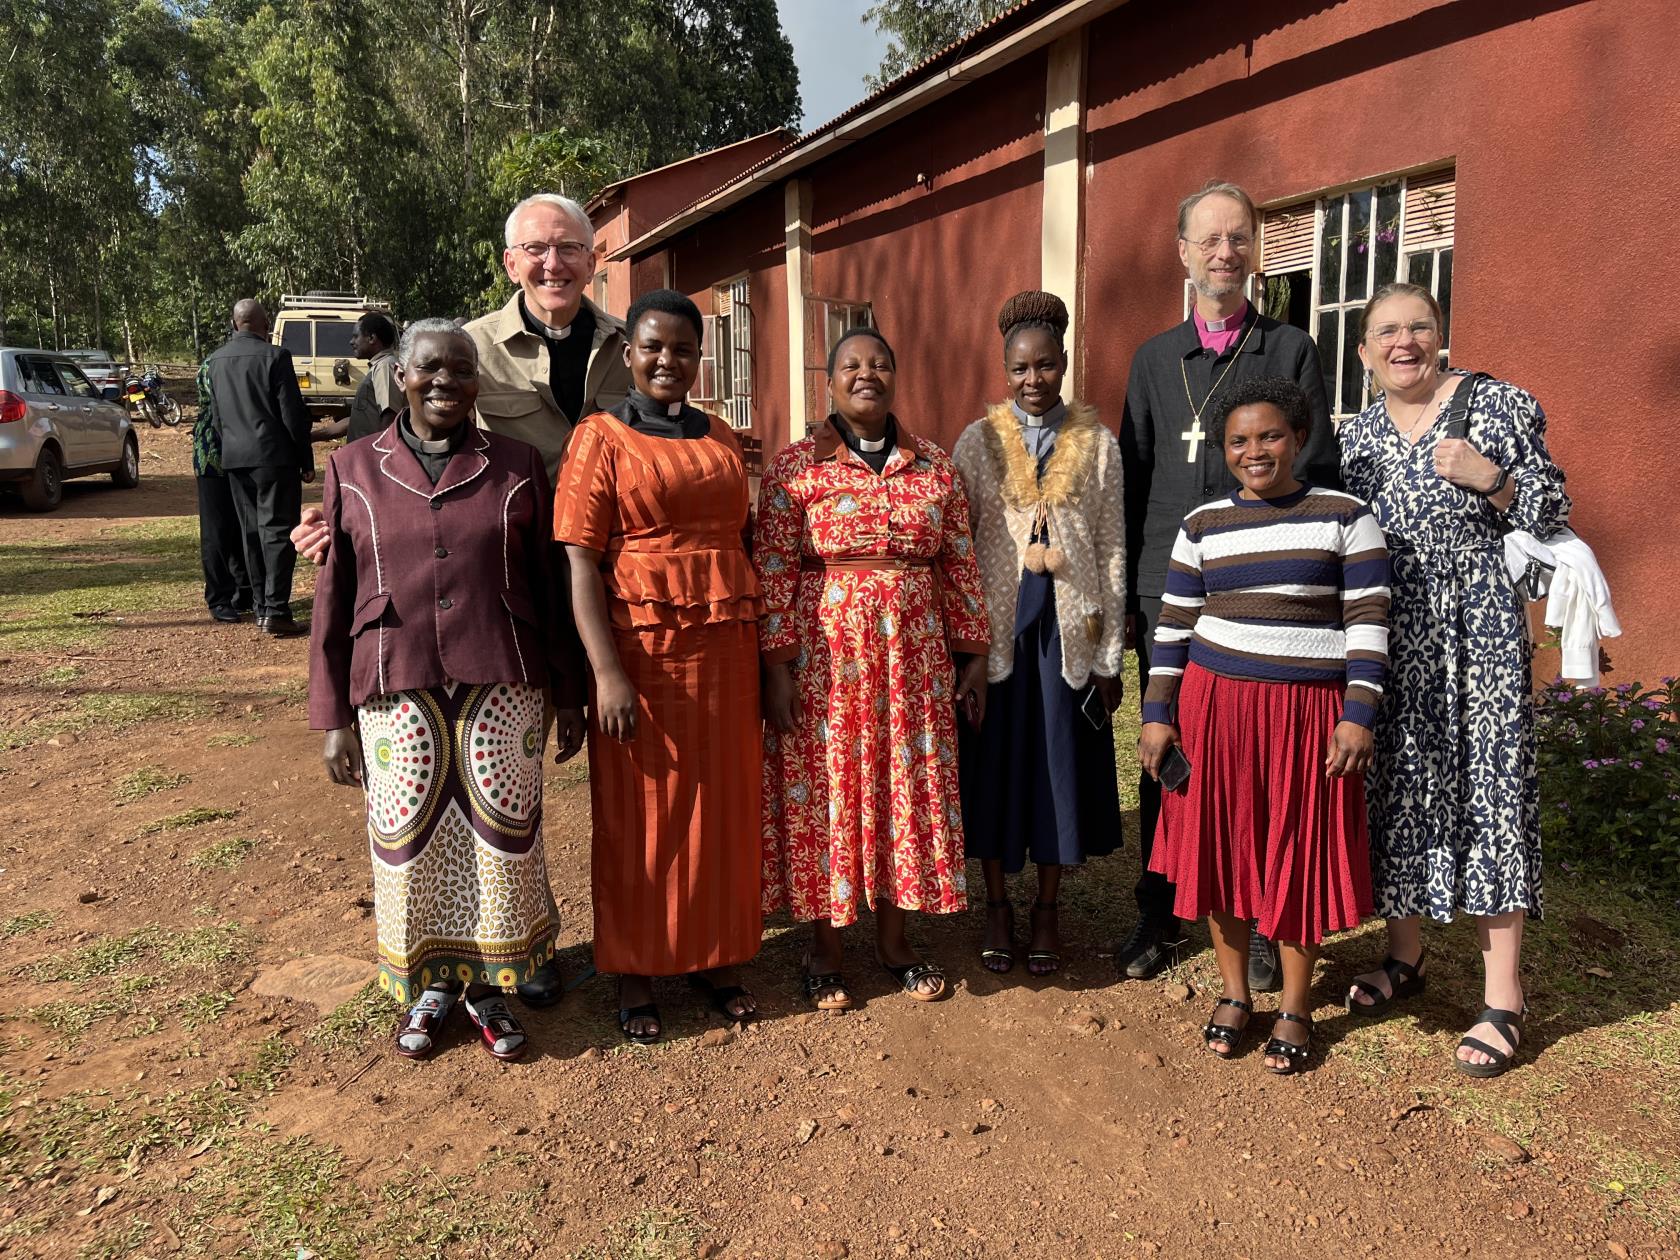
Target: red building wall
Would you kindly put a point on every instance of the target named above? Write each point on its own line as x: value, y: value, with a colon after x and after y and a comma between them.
x: 1562, y: 122
x: 937, y: 260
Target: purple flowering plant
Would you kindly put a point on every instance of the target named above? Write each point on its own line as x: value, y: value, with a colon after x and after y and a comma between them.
x: 1609, y: 762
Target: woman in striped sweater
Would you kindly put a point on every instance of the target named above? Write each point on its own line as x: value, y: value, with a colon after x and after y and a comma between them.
x: 1268, y: 667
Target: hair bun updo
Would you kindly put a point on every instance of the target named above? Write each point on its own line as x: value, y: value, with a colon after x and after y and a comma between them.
x: 1034, y: 307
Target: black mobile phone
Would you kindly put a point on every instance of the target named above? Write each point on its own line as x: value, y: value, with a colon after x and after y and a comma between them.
x: 1175, y: 769
x: 1094, y: 710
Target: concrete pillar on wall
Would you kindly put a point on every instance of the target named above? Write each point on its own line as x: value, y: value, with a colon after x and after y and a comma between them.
x: 797, y: 254
x: 1063, y: 242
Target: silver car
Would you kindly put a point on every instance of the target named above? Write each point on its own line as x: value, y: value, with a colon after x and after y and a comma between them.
x: 54, y: 424
x: 105, y: 373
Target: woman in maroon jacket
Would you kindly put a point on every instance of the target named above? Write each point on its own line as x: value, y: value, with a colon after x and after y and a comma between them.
x: 435, y: 636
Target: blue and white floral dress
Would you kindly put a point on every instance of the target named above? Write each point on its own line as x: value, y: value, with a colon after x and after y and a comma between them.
x: 1453, y: 795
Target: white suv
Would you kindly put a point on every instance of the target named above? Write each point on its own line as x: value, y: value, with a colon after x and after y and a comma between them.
x: 54, y: 424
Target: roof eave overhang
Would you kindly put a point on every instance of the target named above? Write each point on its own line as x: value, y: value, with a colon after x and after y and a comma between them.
x: 1019, y: 43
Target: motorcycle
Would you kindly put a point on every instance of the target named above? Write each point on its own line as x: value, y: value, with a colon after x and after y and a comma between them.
x: 147, y: 400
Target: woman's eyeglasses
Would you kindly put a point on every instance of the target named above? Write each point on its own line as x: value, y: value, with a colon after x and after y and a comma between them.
x: 1385, y: 335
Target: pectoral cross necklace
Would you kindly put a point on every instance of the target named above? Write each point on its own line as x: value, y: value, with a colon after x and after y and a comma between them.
x: 1195, y: 434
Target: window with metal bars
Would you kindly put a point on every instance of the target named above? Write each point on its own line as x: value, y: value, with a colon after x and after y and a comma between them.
x: 726, y: 354
x: 1322, y: 259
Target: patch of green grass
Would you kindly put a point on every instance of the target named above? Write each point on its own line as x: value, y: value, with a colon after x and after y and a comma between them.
x: 145, y: 782
x: 199, y: 1009
x: 651, y: 1235
x: 224, y: 855
x: 98, y: 959
x: 350, y: 1027
x: 230, y: 741
x: 58, y: 676
x: 195, y: 817
x: 24, y: 924
x: 210, y: 946
x: 70, y: 1019
x: 107, y: 712
x: 274, y: 1056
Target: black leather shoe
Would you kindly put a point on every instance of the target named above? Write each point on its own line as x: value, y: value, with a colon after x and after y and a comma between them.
x: 280, y: 627
x: 1264, y: 974
x: 1152, y: 947
x: 227, y: 616
x: 545, y: 988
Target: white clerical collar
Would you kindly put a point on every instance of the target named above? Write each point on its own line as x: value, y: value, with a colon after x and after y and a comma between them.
x: 1219, y: 325
x: 435, y: 448
x: 872, y: 447
x: 556, y: 334
x: 1049, y: 420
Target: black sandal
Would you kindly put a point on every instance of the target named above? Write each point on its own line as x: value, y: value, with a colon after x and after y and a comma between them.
x: 1404, y: 981
x: 647, y: 1010
x: 1004, y: 956
x: 829, y: 982
x: 1228, y: 1035
x: 911, y: 975
x: 1508, y: 1023
x: 719, y: 996
x: 1294, y: 1056
x: 1043, y: 962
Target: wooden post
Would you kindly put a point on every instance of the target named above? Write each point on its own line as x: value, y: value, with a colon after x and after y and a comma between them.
x: 1062, y: 246
x: 797, y: 257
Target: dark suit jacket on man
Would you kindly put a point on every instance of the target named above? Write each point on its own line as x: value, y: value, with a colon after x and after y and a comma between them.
x: 429, y: 584
x: 258, y: 404
x: 1162, y: 483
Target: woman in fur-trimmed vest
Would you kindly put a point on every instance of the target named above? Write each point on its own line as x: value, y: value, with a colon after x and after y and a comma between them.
x: 1038, y: 779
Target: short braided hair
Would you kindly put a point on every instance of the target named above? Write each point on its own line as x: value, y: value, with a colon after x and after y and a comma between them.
x: 1033, y: 308
x: 1276, y: 391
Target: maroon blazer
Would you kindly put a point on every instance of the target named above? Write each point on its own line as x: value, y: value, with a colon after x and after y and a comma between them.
x: 427, y: 584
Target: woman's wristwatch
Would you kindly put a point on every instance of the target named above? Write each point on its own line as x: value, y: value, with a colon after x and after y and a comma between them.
x: 1499, y: 483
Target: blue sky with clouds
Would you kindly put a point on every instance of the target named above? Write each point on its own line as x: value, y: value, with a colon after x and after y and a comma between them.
x: 833, y: 50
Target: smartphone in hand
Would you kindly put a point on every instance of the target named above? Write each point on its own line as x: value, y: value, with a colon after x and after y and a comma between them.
x: 1175, y: 770
x: 1094, y: 710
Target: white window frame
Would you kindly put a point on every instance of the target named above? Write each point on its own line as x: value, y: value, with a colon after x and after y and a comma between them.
x: 1335, y: 201
x: 726, y: 353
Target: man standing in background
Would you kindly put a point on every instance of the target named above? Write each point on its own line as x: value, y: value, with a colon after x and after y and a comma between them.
x: 266, y: 456
x: 221, y: 547
x: 377, y: 398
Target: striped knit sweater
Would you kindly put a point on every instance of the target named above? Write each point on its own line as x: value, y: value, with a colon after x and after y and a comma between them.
x: 1293, y: 589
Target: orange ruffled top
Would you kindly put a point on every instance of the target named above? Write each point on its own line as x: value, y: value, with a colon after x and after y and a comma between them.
x: 668, y: 516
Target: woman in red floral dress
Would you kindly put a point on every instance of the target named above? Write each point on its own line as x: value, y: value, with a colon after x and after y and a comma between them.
x: 871, y: 588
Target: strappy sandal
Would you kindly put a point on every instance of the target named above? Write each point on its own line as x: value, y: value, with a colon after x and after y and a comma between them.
x: 1510, y: 1026
x: 719, y: 996
x: 911, y: 975
x: 425, y: 1019
x: 1043, y: 962
x: 647, y: 1010
x: 1404, y: 981
x: 828, y: 982
x: 1228, y: 1035
x: 1294, y: 1056
x: 503, y: 1037
x: 1000, y: 961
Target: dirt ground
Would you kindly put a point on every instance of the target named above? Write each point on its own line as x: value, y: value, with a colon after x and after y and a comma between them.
x: 190, y: 1064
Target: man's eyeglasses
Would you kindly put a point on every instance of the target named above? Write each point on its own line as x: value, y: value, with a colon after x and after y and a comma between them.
x: 1385, y: 335
x: 1242, y: 242
x: 569, y: 251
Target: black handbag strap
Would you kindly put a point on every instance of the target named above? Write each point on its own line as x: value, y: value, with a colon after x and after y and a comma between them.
x: 1458, y: 406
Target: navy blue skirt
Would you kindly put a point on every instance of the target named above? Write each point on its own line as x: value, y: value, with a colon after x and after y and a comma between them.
x: 1038, y: 780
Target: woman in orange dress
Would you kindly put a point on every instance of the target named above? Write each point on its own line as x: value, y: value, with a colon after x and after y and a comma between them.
x: 871, y: 589
x: 651, y: 503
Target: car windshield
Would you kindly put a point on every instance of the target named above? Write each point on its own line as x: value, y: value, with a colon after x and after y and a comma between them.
x: 332, y: 337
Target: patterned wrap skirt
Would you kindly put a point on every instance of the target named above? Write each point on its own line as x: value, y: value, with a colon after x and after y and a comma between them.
x: 1259, y: 832
x: 453, y: 777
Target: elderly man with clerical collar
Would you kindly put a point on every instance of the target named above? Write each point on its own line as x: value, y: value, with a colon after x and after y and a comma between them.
x: 1171, y: 466
x: 550, y: 356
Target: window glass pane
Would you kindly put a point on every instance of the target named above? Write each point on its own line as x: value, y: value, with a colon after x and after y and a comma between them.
x: 332, y: 338
x: 1387, y: 233
x: 1443, y: 295
x: 1353, y: 371
x: 1418, y: 268
x: 1330, y: 253
x: 725, y: 354
x: 38, y: 377
x: 1359, y: 245
x: 74, y: 382
x: 294, y: 336
x: 1329, y: 337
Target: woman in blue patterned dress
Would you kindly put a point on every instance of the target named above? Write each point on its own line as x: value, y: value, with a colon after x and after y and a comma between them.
x: 1453, y: 796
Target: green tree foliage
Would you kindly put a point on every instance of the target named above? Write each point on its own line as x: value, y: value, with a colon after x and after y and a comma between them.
x: 160, y: 158
x: 919, y: 28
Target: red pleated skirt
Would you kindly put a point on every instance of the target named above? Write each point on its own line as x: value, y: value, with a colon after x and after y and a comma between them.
x: 1259, y: 831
